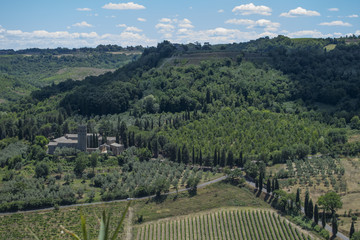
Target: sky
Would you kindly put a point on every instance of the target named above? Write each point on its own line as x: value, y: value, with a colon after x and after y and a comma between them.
x: 88, y: 23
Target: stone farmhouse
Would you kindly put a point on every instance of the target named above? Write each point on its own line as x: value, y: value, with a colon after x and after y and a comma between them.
x: 80, y: 141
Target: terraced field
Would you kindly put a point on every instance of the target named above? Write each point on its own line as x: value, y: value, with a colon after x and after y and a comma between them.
x: 223, y: 224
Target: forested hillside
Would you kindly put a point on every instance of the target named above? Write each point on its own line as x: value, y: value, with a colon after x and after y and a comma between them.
x: 24, y: 71
x: 271, y: 101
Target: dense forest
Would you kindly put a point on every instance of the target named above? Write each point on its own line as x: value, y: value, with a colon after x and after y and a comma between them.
x: 269, y: 101
x: 24, y: 71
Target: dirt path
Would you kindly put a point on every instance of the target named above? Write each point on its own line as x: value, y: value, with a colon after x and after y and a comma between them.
x: 128, y: 227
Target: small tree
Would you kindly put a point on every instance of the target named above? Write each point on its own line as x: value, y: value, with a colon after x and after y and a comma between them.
x: 41, y: 170
x: 80, y: 164
x: 352, y: 230
x: 330, y: 201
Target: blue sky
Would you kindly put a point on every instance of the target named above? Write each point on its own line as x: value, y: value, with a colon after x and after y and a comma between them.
x: 88, y: 23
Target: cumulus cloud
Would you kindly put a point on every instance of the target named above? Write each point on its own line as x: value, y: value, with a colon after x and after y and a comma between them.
x: 248, y: 9
x: 133, y: 29
x: 141, y: 19
x: 336, y: 23
x: 84, y: 9
x: 17, y: 39
x: 165, y: 27
x: 123, y: 6
x: 165, y: 20
x: 185, y: 23
x: 220, y: 10
x: 309, y: 33
x: 82, y: 24
x: 333, y: 9
x: 297, y: 12
x: 121, y: 25
x: 353, y: 16
x: 262, y: 23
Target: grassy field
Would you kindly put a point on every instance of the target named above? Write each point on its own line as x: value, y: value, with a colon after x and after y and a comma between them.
x: 46, y: 224
x: 213, y: 196
x: 75, y: 73
x: 223, y: 223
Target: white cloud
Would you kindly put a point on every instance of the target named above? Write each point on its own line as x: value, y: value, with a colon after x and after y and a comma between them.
x: 17, y: 39
x: 84, y: 9
x: 336, y: 23
x: 248, y: 9
x: 123, y: 6
x: 220, y: 10
x: 185, y: 23
x: 353, y: 16
x: 262, y: 23
x: 165, y: 28
x: 165, y: 20
x: 121, y: 25
x: 309, y: 33
x: 82, y: 24
x: 333, y: 9
x: 133, y: 29
x: 141, y: 19
x: 357, y: 32
x: 297, y: 12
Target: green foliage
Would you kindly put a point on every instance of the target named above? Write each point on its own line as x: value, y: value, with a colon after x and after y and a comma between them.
x: 81, y: 162
x: 330, y: 201
x: 41, y: 170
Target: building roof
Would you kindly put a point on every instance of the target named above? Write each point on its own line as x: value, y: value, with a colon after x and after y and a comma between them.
x: 64, y: 140
x: 116, y: 145
x: 53, y: 144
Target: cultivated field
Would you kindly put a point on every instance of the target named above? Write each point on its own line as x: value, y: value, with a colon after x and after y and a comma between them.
x: 235, y: 223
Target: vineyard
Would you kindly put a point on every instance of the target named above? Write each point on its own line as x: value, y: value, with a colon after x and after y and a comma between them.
x: 223, y: 224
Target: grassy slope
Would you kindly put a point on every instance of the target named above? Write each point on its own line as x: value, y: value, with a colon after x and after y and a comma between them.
x: 46, y: 224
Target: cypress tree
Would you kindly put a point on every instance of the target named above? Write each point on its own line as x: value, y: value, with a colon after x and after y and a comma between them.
x: 223, y: 158
x: 230, y: 159
x: 297, y: 196
x: 185, y: 155
x: 268, y: 186
x: 316, y: 214
x: 193, y: 155
x: 306, y: 203
x: 310, y: 209
x: 323, y: 219
x: 256, y: 183
x: 334, y: 225
x: 273, y: 185
x: 179, y: 156
x: 276, y: 185
x: 241, y: 160
x: 261, y: 182
x: 352, y: 229
x: 215, y: 158
x: 200, y: 158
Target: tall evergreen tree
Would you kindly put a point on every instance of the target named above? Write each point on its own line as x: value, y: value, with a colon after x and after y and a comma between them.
x: 241, y: 160
x: 352, y: 229
x: 323, y: 219
x: 310, y: 209
x: 185, y: 155
x: 334, y: 225
x: 223, y: 158
x: 261, y: 182
x: 268, y: 186
x: 193, y: 155
x: 179, y: 155
x: 200, y: 158
x: 230, y: 159
x: 306, y: 203
x: 277, y: 187
x: 215, y: 158
x: 273, y: 185
x: 297, y: 196
x: 316, y: 214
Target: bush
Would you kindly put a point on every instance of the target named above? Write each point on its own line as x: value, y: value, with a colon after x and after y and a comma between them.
x: 41, y: 170
x: 325, y: 234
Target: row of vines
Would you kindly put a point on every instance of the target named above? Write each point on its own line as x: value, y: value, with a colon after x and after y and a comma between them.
x: 229, y: 224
